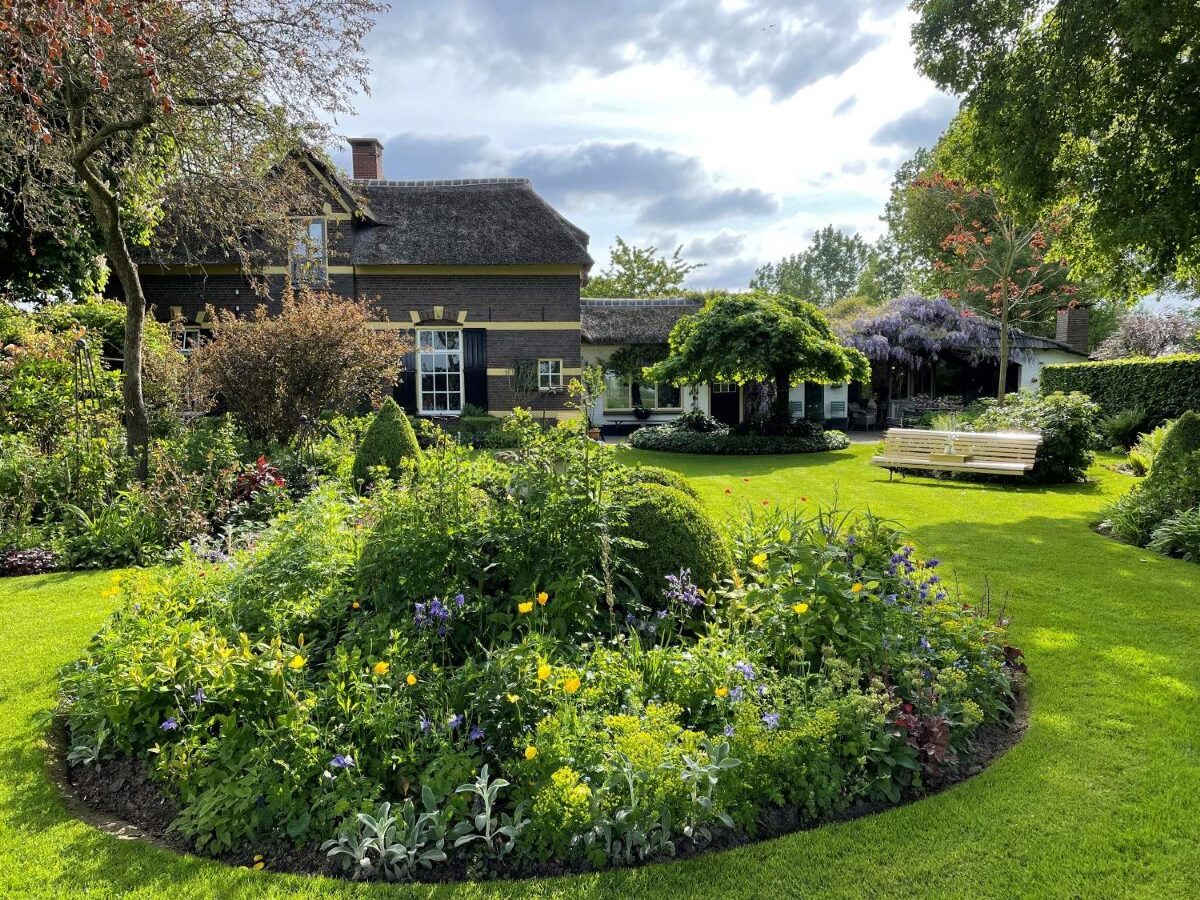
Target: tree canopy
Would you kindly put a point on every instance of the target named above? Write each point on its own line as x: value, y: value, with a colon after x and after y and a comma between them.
x: 758, y: 337
x: 639, y: 272
x: 1096, y: 105
x: 827, y: 270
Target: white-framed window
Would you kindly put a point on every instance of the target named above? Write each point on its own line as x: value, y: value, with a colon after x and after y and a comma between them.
x: 550, y: 374
x: 724, y: 387
x: 190, y: 337
x: 309, y: 252
x: 622, y: 392
x: 439, y: 371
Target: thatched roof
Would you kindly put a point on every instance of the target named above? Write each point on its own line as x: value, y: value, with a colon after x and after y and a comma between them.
x: 464, y: 222
x: 615, y: 320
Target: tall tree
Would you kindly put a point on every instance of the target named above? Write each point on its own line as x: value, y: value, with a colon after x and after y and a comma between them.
x: 827, y: 270
x: 1097, y: 104
x: 640, y: 272
x: 886, y: 274
x: 997, y: 263
x: 107, y: 109
x: 758, y: 337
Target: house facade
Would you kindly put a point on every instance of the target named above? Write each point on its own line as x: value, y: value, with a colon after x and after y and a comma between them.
x: 482, y: 274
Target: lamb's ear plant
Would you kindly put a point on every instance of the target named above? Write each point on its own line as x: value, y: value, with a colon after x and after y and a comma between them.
x: 702, y: 774
x: 498, y: 833
x: 392, y: 844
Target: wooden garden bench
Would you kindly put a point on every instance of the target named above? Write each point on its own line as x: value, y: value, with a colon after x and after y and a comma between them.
x: 992, y: 453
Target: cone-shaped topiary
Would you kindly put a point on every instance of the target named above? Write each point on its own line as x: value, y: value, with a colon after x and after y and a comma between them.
x: 678, y: 534
x: 1177, y: 448
x: 389, y: 440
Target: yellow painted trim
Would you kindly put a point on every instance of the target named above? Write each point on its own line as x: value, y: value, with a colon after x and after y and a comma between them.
x: 226, y: 269
x: 499, y: 326
x: 502, y: 372
x: 438, y: 312
x: 414, y: 315
x: 462, y: 316
x: 335, y: 194
x: 467, y: 270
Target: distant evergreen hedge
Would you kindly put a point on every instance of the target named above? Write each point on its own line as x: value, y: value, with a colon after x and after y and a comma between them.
x: 1166, y: 386
x: 388, y: 441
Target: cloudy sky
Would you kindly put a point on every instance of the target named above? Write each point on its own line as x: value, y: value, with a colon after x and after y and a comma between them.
x: 732, y: 127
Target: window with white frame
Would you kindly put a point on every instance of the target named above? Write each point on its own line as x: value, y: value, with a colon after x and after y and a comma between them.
x: 190, y: 337
x: 309, y: 251
x: 622, y: 392
x: 439, y: 371
x: 550, y: 374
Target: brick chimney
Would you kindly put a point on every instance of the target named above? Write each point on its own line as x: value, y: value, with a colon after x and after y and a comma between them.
x: 1072, y: 328
x: 367, y: 155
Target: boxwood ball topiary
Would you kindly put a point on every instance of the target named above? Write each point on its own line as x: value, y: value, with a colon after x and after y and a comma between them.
x: 678, y: 534
x: 659, y: 475
x: 1181, y: 441
x: 389, y: 440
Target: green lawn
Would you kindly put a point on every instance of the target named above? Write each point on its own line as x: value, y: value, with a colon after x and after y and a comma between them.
x: 1101, y: 799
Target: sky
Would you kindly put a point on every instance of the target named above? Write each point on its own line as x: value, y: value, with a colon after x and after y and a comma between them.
x: 732, y: 128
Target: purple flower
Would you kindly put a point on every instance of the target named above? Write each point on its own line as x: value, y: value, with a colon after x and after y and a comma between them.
x: 728, y: 731
x: 736, y: 694
x: 425, y: 725
x: 630, y: 618
x: 419, y: 617
x: 455, y: 721
x: 746, y: 669
x: 476, y: 733
x: 771, y: 720
x: 762, y: 690
x: 170, y: 723
x: 662, y: 614
x: 851, y: 540
x: 199, y: 697
x: 459, y: 600
x: 681, y: 589
x: 932, y: 563
x: 439, y: 610
x: 341, y: 761
x: 925, y: 643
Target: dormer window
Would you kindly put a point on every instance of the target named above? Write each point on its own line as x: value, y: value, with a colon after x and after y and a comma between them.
x: 308, y: 258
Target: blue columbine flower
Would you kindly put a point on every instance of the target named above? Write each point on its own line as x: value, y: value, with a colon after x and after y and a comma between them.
x: 728, y: 731
x: 932, y: 563
x: 925, y: 643
x: 771, y: 720
x: 341, y: 761
x: 736, y: 694
x: 681, y: 589
x: 662, y: 614
x: 170, y: 723
x: 746, y: 669
x: 199, y: 697
x: 459, y: 599
x: 425, y: 724
x: 454, y: 721
x: 476, y: 733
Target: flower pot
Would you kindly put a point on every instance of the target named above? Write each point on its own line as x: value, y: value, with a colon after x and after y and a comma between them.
x: 594, y: 433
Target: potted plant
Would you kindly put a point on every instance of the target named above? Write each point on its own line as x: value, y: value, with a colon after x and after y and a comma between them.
x: 641, y: 413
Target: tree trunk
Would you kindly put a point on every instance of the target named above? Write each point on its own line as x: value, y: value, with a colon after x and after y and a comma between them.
x: 137, y: 423
x: 1004, y: 342
x: 783, y: 386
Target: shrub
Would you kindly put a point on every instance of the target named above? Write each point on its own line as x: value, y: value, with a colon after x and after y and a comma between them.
x: 659, y: 475
x: 1172, y: 486
x: 1178, y: 535
x: 35, y: 561
x: 1066, y: 422
x: 387, y: 443
x: 1167, y: 386
x: 677, y: 534
x: 670, y: 439
x: 1122, y: 429
x: 319, y: 353
x: 1141, y: 456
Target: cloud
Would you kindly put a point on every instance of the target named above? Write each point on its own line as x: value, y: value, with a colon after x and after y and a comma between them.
x: 733, y: 274
x: 722, y: 244
x: 622, y: 170
x: 845, y: 106
x: 854, y: 166
x: 776, y: 44
x: 707, y: 206
x: 919, y: 127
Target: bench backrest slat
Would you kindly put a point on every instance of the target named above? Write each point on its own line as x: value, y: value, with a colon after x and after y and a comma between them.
x: 980, y: 446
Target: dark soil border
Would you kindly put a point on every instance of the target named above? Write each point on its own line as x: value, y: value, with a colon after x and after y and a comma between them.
x: 120, y: 798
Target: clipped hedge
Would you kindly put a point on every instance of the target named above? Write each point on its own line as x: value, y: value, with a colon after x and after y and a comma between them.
x: 1166, y: 386
x: 668, y: 439
x: 388, y: 441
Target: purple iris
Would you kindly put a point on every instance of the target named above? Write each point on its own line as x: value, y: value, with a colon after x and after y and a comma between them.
x: 476, y: 733
x: 341, y: 761
x: 169, y: 724
x: 746, y: 669
x: 771, y: 720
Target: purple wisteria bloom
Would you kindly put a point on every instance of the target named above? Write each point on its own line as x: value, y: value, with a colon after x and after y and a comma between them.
x: 771, y: 720
x: 746, y: 669
x: 476, y: 733
x: 341, y: 761
x: 170, y: 723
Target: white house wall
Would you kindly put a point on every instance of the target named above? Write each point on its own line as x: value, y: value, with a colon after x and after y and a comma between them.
x: 1033, y: 361
x: 691, y: 396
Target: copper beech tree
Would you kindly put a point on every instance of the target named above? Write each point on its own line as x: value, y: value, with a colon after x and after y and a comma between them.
x: 166, y: 124
x: 996, y: 263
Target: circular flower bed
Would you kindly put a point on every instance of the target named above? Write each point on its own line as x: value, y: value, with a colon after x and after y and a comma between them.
x: 456, y: 676
x: 696, y: 433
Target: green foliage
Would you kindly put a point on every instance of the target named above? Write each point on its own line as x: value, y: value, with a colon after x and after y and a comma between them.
x: 388, y: 443
x: 832, y: 268
x: 658, y: 475
x: 1121, y: 429
x: 758, y: 337
x: 1167, y: 386
x: 671, y: 438
x: 1066, y: 422
x: 676, y: 533
x: 639, y: 272
x: 1141, y: 456
x: 1178, y: 535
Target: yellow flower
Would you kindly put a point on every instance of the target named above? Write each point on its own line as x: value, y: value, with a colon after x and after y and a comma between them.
x: 799, y: 608
x: 381, y: 668
x: 785, y: 536
x: 259, y: 866
x: 530, y: 752
x: 543, y: 672
x: 526, y: 607
x: 759, y: 560
x: 722, y: 692
x: 571, y: 685
x: 856, y: 587
x: 108, y: 593
x: 297, y: 662
x: 356, y: 605
x: 513, y: 698
x: 410, y: 679
x: 543, y: 598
